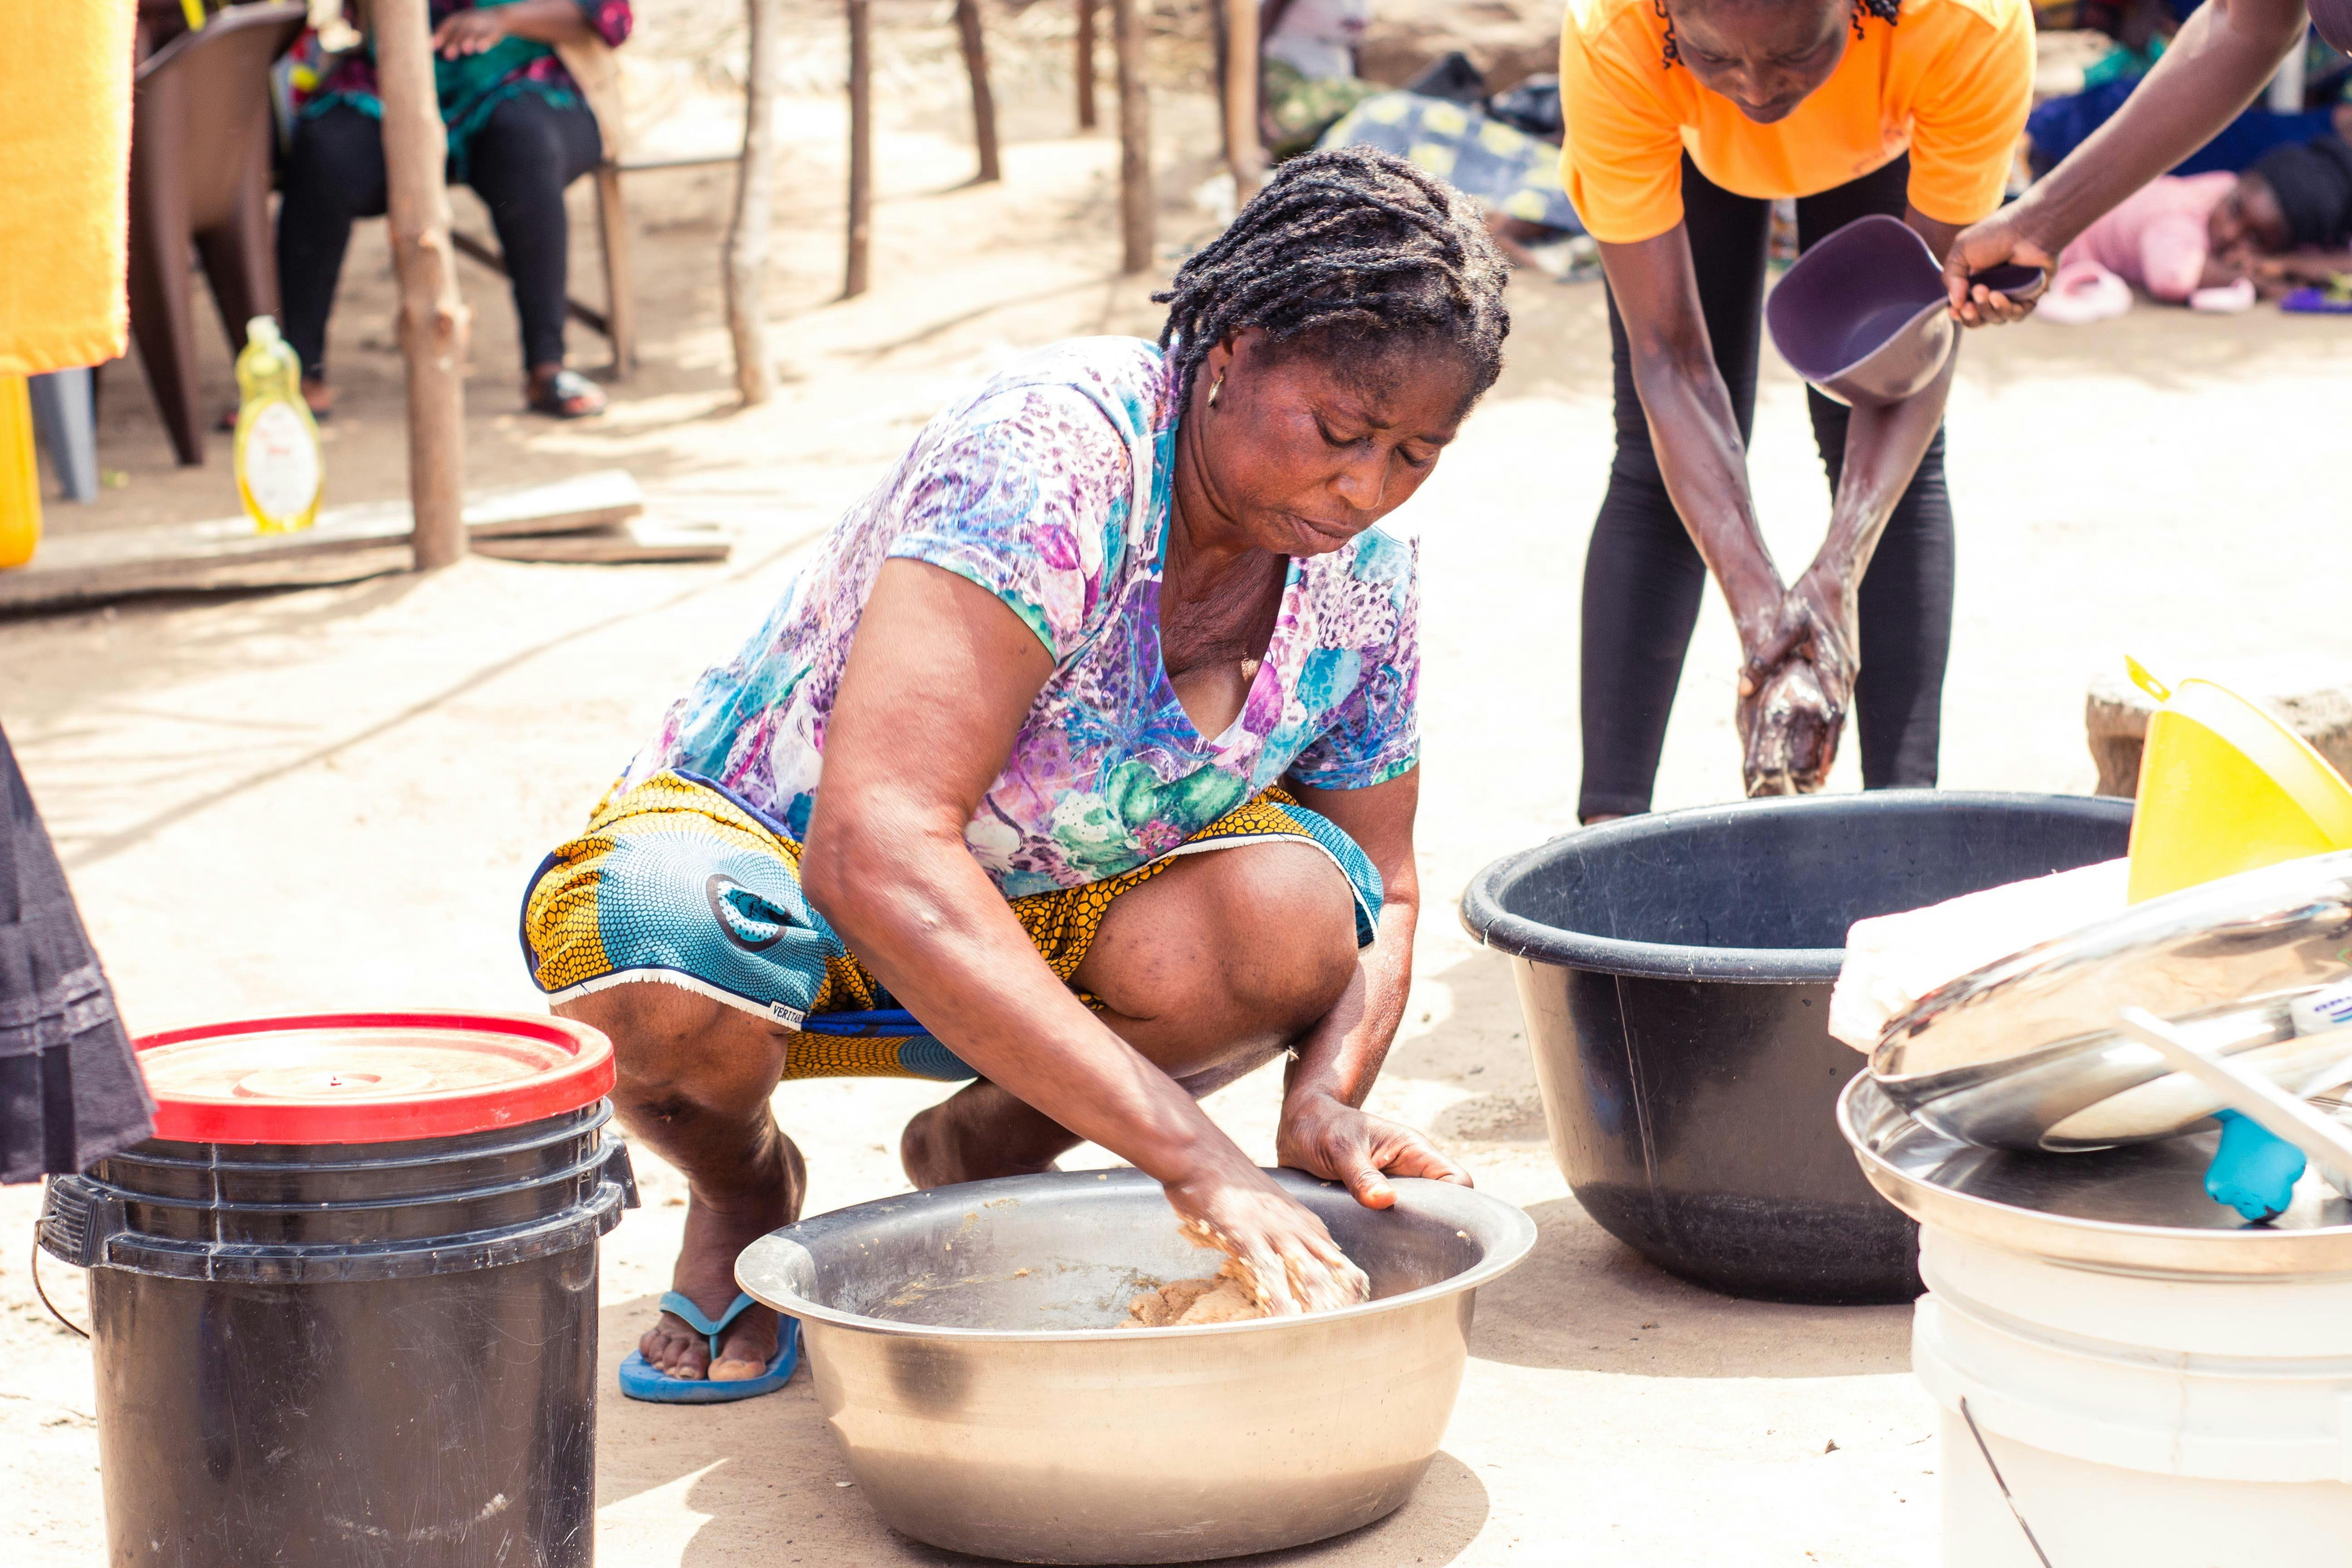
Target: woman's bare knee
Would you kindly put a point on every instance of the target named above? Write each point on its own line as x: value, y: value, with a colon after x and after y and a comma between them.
x: 672, y: 1043
x: 1289, y: 920
x: 1262, y: 938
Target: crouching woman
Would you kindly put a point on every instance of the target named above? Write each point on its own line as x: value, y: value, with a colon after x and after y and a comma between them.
x: 1080, y: 762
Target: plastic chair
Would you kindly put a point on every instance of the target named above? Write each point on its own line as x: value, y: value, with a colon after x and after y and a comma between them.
x: 64, y: 419
x: 200, y: 175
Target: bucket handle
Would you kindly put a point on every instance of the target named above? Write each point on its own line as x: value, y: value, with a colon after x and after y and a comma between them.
x: 618, y: 1171
x: 64, y: 1228
x: 1997, y: 1480
x: 78, y: 1217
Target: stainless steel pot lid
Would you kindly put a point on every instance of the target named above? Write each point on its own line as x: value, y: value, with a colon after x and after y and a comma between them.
x: 2023, y: 1054
x: 2136, y: 1210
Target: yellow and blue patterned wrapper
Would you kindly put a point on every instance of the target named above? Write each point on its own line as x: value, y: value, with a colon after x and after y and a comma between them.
x: 680, y: 881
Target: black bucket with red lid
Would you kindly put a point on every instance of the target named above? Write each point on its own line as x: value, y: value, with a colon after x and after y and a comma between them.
x: 343, y: 1303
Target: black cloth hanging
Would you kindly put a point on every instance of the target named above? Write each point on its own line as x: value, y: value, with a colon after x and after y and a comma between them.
x: 70, y: 1092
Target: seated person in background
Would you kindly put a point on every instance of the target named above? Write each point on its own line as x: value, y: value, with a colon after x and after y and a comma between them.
x: 521, y: 129
x: 1307, y: 61
x: 2178, y: 235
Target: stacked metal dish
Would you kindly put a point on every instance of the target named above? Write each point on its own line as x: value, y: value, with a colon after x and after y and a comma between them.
x: 2127, y: 1371
x: 2025, y: 1054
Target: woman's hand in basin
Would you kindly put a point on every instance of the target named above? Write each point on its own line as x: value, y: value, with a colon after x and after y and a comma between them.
x: 1325, y: 1136
x: 1233, y: 1205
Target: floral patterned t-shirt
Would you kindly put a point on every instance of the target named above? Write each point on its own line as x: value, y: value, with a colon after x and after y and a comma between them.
x: 1049, y: 487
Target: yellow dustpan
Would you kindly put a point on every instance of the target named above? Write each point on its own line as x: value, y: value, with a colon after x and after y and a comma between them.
x: 2224, y: 787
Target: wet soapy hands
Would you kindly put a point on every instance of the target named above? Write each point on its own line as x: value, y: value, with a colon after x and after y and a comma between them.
x: 1797, y: 686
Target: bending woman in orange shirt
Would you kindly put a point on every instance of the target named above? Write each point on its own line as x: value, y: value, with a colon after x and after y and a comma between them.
x: 1685, y: 119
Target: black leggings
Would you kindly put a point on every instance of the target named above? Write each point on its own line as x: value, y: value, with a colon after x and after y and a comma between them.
x: 519, y: 163
x: 1643, y: 578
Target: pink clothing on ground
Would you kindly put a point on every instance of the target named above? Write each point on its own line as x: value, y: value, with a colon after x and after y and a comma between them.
x: 2156, y: 238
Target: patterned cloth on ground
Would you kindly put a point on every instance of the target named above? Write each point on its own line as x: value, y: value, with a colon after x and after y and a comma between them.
x: 1508, y: 171
x: 681, y: 881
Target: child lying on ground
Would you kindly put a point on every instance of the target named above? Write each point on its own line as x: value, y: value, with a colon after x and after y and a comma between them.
x: 2214, y: 240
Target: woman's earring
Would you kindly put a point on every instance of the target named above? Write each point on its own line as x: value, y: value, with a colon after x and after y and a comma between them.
x: 1214, y: 390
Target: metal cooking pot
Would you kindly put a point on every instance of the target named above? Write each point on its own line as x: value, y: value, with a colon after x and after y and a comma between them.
x: 966, y: 1352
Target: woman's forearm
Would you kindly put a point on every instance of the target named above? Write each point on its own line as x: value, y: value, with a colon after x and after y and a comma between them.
x: 547, y: 21
x: 1694, y: 431
x: 1883, y: 448
x: 1341, y: 1055
x: 1695, y: 436
x: 2218, y: 61
x: 918, y: 909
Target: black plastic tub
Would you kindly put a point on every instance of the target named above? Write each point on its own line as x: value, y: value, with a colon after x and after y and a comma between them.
x: 318, y: 1351
x: 1676, y: 971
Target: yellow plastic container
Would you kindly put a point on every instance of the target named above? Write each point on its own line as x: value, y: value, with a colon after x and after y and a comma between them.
x: 2224, y: 787
x: 279, y: 470
x: 20, y: 476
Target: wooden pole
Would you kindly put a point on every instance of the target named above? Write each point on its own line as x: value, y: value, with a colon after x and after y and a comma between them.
x: 984, y: 102
x: 1085, y: 65
x: 746, y: 268
x: 1136, y: 202
x: 433, y: 321
x: 1244, y: 147
x: 861, y: 147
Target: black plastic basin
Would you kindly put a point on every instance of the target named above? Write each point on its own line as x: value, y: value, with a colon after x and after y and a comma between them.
x: 1676, y: 973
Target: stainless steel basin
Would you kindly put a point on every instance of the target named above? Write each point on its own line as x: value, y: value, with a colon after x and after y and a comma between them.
x: 966, y: 1351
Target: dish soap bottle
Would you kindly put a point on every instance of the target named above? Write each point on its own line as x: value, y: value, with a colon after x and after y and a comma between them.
x: 279, y: 472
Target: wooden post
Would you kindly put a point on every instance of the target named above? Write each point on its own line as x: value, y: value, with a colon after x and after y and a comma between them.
x: 984, y: 102
x: 746, y: 268
x: 1244, y: 145
x: 433, y: 321
x: 620, y: 270
x: 1085, y: 65
x: 1136, y: 202
x: 861, y: 147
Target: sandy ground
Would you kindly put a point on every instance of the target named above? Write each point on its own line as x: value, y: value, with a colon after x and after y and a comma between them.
x: 330, y: 798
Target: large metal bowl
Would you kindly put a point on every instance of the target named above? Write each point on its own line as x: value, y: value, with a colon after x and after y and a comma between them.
x: 966, y: 1352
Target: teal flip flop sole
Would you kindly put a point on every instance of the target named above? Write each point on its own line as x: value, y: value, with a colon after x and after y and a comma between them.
x: 640, y: 1379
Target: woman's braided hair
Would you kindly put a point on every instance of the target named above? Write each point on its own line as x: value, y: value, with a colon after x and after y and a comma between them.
x: 1346, y: 248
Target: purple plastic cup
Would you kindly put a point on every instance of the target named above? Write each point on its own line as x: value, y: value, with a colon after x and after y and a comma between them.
x: 1863, y: 315
x: 2334, y: 20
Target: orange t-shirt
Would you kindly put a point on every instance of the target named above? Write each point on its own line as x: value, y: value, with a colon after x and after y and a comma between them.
x: 1951, y: 81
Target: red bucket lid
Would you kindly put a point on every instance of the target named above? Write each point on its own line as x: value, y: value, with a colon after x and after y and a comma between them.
x: 370, y: 1078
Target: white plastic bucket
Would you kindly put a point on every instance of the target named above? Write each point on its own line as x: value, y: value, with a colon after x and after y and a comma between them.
x: 2181, y: 1422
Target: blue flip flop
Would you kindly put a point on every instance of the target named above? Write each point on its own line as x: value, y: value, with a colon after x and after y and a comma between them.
x: 640, y: 1379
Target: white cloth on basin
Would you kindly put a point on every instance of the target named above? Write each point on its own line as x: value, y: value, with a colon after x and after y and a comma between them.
x: 1891, y: 961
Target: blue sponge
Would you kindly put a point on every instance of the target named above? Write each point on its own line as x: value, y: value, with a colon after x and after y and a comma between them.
x: 2254, y: 1170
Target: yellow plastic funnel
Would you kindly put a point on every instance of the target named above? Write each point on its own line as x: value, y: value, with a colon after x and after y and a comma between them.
x: 2224, y: 787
